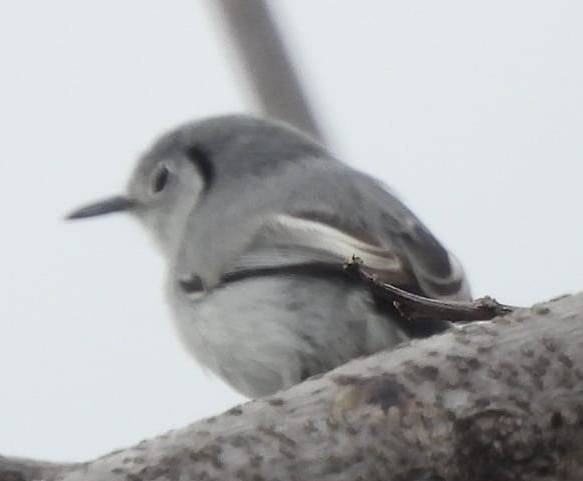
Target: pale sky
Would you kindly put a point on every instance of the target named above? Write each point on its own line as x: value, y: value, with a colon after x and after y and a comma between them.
x: 472, y: 111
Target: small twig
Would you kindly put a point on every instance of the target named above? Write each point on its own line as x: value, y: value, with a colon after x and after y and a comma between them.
x: 414, y: 307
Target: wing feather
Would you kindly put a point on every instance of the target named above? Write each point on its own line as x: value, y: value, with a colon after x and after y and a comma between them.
x: 336, y: 213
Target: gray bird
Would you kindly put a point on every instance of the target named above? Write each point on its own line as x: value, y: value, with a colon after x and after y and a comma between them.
x: 255, y: 220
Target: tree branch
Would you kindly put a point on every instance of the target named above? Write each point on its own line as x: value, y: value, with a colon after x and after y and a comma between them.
x: 21, y: 469
x: 488, y: 401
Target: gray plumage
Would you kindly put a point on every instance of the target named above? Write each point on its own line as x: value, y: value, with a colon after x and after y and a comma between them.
x: 253, y: 219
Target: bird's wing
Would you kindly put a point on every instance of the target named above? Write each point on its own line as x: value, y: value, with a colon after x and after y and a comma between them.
x: 287, y: 241
x: 407, y: 255
x: 326, y: 213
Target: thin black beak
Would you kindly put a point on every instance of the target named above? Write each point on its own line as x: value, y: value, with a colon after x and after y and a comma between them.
x: 108, y: 206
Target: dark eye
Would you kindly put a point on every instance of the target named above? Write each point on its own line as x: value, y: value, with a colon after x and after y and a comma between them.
x: 202, y: 161
x: 160, y: 180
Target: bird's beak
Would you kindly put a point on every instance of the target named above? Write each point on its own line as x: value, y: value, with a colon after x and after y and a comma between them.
x: 118, y: 203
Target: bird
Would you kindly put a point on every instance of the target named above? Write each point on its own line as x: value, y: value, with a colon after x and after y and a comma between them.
x: 253, y: 219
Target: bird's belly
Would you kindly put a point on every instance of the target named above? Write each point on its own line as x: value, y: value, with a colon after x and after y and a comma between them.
x: 265, y: 334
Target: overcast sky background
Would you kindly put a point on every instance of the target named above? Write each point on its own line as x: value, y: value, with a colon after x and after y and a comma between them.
x: 472, y: 111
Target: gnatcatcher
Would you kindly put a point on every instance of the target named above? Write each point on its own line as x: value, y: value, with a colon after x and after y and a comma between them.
x: 254, y: 220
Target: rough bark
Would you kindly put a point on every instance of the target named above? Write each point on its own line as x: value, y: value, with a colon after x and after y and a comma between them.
x: 20, y: 469
x: 498, y: 400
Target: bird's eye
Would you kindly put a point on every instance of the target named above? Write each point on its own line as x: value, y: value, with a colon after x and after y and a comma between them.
x: 160, y: 180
